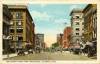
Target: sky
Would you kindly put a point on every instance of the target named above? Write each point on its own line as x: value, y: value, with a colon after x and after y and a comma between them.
x: 51, y: 19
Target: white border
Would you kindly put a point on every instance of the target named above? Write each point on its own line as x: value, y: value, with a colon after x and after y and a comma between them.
x: 53, y: 2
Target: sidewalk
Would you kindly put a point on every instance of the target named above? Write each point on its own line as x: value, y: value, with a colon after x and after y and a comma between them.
x: 10, y: 55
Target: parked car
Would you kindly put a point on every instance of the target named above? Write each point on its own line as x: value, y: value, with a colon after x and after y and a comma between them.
x: 65, y: 49
x: 21, y: 52
x: 38, y: 50
x: 30, y: 51
x: 76, y: 48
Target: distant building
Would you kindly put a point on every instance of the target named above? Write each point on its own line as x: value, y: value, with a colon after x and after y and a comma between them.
x: 21, y: 27
x: 39, y: 40
x: 77, y: 24
x: 90, y: 22
x: 59, y: 39
x: 67, y: 37
x: 6, y: 25
x: 44, y: 46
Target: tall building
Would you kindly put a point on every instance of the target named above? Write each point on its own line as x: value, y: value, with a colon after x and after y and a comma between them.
x: 67, y: 37
x: 6, y: 25
x: 39, y: 40
x: 59, y: 39
x: 77, y: 24
x: 21, y: 27
x: 90, y: 22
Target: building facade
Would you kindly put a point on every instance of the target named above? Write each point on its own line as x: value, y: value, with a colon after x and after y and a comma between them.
x: 67, y: 37
x: 21, y: 27
x: 6, y: 25
x: 77, y: 24
x: 90, y: 22
x: 39, y: 41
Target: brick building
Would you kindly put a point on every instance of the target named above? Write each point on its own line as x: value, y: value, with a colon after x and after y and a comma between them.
x: 67, y: 37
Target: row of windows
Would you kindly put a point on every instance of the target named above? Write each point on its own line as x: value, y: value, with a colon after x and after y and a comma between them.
x: 77, y: 33
x: 78, y: 23
x: 17, y: 15
x: 17, y: 23
x: 76, y: 17
x: 77, y: 29
x: 18, y: 38
x: 18, y: 30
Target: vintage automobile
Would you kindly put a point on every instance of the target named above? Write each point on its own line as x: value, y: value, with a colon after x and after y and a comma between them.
x: 37, y: 50
x: 21, y: 52
x: 76, y: 48
x: 30, y: 51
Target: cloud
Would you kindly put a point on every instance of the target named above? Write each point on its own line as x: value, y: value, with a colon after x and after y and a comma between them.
x: 63, y: 21
x: 40, y: 16
x: 60, y: 20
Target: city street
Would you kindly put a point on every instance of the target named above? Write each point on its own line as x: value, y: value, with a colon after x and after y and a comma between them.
x: 35, y: 32
x: 51, y: 56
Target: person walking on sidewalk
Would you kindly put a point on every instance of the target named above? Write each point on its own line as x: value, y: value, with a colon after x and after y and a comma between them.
x: 89, y: 46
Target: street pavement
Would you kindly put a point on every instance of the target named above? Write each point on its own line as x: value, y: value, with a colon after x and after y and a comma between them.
x: 50, y: 56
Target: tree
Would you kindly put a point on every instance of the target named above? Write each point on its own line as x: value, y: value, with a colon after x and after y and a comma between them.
x: 55, y: 45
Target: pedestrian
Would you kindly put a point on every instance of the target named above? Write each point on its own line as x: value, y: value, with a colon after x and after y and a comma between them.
x: 81, y: 47
x: 90, y: 45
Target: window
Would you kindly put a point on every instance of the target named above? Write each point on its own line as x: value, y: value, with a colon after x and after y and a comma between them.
x: 18, y: 23
x: 18, y: 15
x: 77, y: 23
x: 82, y: 28
x: 11, y: 30
x: 77, y: 17
x: 77, y: 39
x: 12, y: 13
x: 11, y: 23
x: 19, y: 30
x: 82, y: 23
x: 12, y: 37
x: 77, y: 33
x: 19, y: 38
x: 77, y: 29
